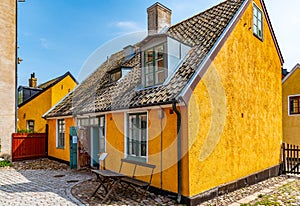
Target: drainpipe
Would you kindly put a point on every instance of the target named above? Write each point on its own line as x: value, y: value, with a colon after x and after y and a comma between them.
x: 179, y: 170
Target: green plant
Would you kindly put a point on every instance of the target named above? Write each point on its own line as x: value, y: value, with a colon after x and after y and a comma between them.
x: 5, y: 163
x: 25, y: 131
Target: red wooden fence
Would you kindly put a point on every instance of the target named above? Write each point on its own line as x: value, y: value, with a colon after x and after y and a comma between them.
x: 29, y: 146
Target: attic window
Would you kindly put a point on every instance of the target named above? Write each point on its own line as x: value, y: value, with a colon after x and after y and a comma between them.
x: 257, y: 22
x: 118, y: 74
x: 115, y: 75
x: 154, y: 66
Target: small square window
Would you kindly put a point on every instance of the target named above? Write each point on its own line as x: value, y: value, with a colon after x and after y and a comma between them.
x: 294, y: 105
x: 30, y: 125
x: 257, y: 22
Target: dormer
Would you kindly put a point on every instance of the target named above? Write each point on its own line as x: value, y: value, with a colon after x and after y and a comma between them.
x: 160, y: 54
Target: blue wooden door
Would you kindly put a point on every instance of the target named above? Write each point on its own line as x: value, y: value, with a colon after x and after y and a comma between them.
x: 73, y: 147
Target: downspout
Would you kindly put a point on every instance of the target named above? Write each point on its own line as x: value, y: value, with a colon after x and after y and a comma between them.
x: 179, y: 163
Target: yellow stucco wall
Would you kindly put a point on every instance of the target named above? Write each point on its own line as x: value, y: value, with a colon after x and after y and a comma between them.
x: 38, y: 106
x: 60, y: 153
x: 34, y: 110
x: 291, y: 124
x: 61, y: 89
x: 234, y: 114
x: 165, y: 175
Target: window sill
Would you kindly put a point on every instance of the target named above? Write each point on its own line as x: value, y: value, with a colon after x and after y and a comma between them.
x: 259, y: 38
x: 135, y: 158
x: 62, y: 148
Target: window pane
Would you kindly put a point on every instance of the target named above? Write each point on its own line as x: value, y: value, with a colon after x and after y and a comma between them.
x: 259, y: 15
x: 143, y: 149
x: 159, y: 52
x: 149, y: 55
x: 137, y: 135
x: 159, y: 64
x: 149, y: 79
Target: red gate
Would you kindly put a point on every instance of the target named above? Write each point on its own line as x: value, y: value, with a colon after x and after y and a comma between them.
x: 29, y: 146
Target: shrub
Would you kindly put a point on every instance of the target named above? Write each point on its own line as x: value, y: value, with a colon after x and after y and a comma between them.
x: 5, y: 163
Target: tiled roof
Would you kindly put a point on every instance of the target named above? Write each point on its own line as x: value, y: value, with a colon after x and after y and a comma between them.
x: 47, y: 84
x: 96, y: 94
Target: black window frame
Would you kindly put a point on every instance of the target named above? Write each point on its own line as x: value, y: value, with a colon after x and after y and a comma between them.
x: 294, y: 105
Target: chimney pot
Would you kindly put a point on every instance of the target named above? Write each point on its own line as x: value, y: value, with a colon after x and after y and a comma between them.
x: 159, y: 17
x: 33, y: 81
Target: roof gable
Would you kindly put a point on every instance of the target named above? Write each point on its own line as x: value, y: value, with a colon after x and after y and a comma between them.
x: 47, y: 85
x: 291, y: 73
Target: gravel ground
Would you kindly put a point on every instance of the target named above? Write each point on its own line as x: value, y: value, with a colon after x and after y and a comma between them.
x: 282, y: 190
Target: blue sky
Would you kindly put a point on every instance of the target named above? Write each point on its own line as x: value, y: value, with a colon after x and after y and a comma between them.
x: 57, y: 36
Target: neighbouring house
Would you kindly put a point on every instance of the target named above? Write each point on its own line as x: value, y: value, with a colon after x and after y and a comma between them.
x: 291, y: 106
x: 34, y: 100
x: 8, y: 62
x: 200, y: 99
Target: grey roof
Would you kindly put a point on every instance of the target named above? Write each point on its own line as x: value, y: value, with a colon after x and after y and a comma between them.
x: 97, y: 94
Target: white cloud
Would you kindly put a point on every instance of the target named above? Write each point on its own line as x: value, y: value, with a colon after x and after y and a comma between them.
x: 128, y: 26
x: 44, y: 43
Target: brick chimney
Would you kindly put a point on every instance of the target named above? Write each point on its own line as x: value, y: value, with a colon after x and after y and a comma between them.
x: 159, y: 17
x: 33, y: 81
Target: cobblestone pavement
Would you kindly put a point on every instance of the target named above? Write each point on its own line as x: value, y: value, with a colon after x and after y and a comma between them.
x: 38, y: 187
x: 277, y: 191
x: 46, y: 182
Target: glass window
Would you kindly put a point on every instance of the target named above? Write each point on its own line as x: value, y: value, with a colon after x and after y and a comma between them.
x: 137, y: 135
x: 102, y: 133
x: 257, y: 22
x: 154, y: 66
x: 20, y: 96
x: 294, y: 105
x: 116, y: 75
x: 30, y: 125
x: 60, y: 133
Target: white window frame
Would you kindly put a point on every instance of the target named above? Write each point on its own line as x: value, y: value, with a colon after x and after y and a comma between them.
x: 288, y: 100
x: 105, y: 127
x: 256, y: 22
x: 27, y: 124
x: 155, y: 70
x: 57, y: 133
x: 126, y: 132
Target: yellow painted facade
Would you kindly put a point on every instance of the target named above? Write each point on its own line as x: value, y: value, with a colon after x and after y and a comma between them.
x: 231, y: 126
x: 38, y: 106
x: 53, y: 151
x: 161, y: 137
x: 291, y: 87
x: 237, y: 129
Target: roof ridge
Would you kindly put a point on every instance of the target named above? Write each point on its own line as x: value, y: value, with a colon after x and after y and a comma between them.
x: 202, y: 12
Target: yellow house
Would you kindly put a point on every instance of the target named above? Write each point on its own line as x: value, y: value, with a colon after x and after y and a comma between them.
x: 200, y: 99
x: 34, y: 101
x: 291, y: 106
